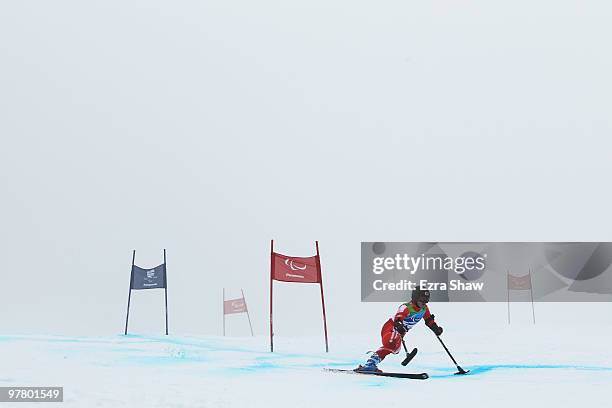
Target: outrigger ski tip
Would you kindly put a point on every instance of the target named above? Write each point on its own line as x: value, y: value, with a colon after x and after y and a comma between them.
x: 409, y: 356
x: 461, y: 371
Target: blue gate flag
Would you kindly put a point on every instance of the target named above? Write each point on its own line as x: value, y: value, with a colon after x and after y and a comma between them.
x: 152, y: 278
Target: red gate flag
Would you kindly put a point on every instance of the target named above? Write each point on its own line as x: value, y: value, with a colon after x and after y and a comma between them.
x: 234, y: 306
x: 291, y: 269
x: 520, y: 283
x: 296, y: 270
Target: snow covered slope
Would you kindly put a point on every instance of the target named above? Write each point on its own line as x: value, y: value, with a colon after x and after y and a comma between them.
x: 550, y: 365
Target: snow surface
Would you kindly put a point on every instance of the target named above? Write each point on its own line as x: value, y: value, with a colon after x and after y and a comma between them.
x: 548, y: 364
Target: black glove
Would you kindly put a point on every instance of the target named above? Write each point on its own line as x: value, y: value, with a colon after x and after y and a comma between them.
x: 399, y: 327
x: 436, y: 329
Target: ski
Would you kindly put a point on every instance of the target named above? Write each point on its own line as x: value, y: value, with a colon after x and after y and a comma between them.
x: 412, y: 376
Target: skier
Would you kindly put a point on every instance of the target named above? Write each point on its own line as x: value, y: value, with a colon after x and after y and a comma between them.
x: 393, y: 331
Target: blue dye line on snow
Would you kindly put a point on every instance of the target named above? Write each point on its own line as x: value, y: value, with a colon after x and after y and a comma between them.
x: 263, y: 360
x: 484, y: 369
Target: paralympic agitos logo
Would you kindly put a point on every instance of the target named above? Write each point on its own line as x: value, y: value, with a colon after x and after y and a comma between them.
x: 412, y: 264
x: 237, y: 304
x: 294, y: 265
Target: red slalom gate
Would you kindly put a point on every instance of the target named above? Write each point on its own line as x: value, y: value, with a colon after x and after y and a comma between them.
x: 234, y: 306
x: 293, y: 269
x: 520, y: 283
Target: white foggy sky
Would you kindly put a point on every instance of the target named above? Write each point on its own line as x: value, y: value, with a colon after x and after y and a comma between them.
x: 210, y: 127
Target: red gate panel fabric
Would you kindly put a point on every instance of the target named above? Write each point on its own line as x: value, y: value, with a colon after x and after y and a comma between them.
x: 293, y: 269
x: 234, y: 306
x: 519, y: 282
